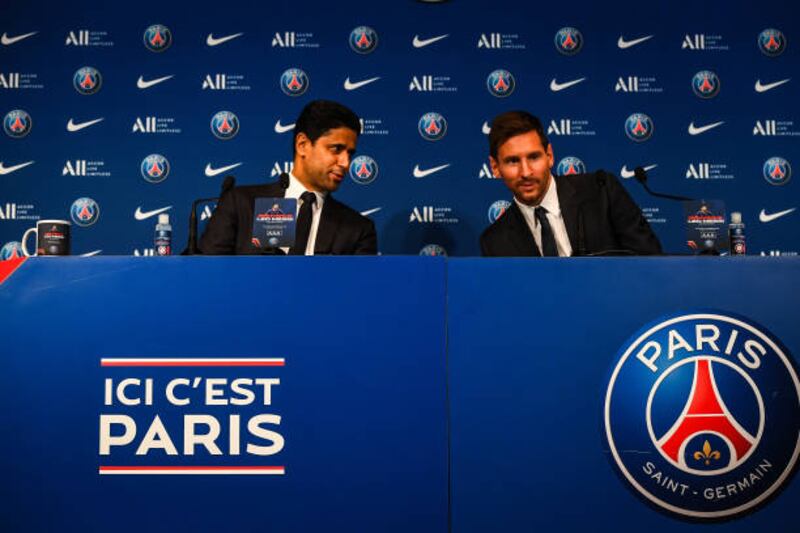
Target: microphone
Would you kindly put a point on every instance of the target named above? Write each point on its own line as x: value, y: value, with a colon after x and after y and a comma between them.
x: 283, y: 180
x: 191, y: 247
x: 641, y: 176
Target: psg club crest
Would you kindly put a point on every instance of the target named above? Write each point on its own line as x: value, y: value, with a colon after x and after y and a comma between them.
x: 224, y: 125
x: 154, y: 168
x: 569, y: 166
x: 705, y: 84
x: 433, y: 250
x: 702, y: 414
x: 84, y: 211
x: 11, y: 250
x: 639, y: 127
x: 294, y: 82
x: 87, y: 80
x: 432, y: 126
x: 363, y: 40
x: 498, y: 209
x: 157, y: 38
x: 17, y: 123
x: 777, y: 171
x: 771, y: 42
x: 500, y: 83
x: 568, y: 41
x: 363, y: 170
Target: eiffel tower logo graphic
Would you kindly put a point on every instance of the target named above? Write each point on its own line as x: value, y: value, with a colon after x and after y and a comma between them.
x: 705, y: 413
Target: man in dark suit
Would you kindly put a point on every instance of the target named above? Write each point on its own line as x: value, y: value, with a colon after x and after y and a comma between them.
x: 583, y: 214
x: 325, y: 139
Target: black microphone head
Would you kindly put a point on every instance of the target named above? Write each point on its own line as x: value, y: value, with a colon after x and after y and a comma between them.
x: 284, y: 181
x: 227, y: 184
x: 640, y: 174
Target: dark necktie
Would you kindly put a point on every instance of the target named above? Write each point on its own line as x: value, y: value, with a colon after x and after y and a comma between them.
x: 548, y: 247
x: 303, y: 223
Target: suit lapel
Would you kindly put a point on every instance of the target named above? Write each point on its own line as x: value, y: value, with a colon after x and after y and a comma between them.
x: 568, y: 203
x: 328, y: 223
x: 520, y: 232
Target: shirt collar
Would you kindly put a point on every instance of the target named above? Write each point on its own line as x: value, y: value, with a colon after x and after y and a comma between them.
x: 296, y: 189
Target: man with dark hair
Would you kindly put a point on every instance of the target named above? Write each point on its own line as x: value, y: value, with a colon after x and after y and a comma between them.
x: 324, y: 142
x: 581, y: 214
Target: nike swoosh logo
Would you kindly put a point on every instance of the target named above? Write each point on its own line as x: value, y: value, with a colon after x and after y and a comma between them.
x: 764, y: 88
x: 139, y: 215
x: 764, y: 217
x: 71, y: 126
x: 555, y: 86
x: 90, y: 254
x: 419, y: 43
x: 140, y: 83
x: 368, y: 212
x: 625, y: 173
x: 283, y: 128
x: 623, y: 44
x: 211, y: 41
x: 7, y: 41
x: 486, y: 129
x: 8, y: 170
x: 211, y: 171
x: 697, y: 130
x: 418, y: 173
x: 350, y: 86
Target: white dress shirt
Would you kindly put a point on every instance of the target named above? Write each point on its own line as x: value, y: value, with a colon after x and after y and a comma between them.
x: 549, y: 202
x: 295, y: 190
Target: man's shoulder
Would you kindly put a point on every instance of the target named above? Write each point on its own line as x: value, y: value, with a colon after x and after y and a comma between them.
x: 500, y: 225
x: 347, y: 213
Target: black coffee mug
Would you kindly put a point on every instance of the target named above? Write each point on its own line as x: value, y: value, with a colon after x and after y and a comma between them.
x: 52, y: 238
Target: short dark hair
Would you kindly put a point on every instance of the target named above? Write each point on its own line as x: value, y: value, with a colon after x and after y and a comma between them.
x: 511, y: 124
x: 320, y: 116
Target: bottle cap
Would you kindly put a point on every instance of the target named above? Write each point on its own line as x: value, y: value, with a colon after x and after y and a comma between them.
x: 164, y: 218
x: 736, y: 217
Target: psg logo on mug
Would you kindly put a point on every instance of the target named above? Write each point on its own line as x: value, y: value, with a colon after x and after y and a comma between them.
x: 711, y: 404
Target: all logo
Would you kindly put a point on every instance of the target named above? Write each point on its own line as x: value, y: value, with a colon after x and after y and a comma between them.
x: 777, y: 171
x: 154, y: 168
x: 500, y: 83
x: 639, y: 127
x: 224, y: 125
x: 84, y: 211
x: 17, y: 123
x: 432, y: 126
x: 711, y: 404
x: 13, y: 250
x: 570, y: 165
x: 497, y: 209
x: 87, y: 80
x: 294, y: 82
x: 705, y: 84
x: 568, y: 41
x: 771, y: 42
x: 157, y: 38
x: 363, y: 40
x: 279, y: 168
x: 363, y: 170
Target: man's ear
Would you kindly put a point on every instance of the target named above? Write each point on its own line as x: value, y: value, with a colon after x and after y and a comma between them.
x: 302, y: 144
x: 493, y: 165
x: 550, y: 158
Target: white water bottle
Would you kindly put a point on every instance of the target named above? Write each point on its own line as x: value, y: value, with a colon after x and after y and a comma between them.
x: 163, y: 237
x: 736, y: 235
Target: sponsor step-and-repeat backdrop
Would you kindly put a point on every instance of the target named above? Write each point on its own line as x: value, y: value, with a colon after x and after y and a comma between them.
x: 114, y: 114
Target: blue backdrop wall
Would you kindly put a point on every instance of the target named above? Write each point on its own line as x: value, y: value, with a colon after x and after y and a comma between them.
x: 89, y: 91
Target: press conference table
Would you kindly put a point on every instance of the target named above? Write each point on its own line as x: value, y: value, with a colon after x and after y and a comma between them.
x: 344, y: 393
